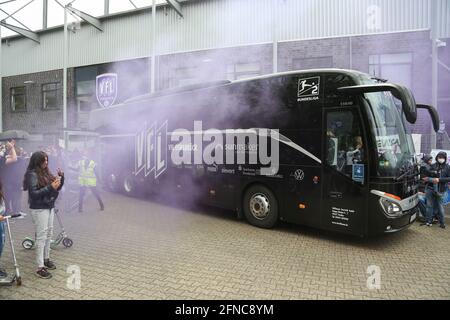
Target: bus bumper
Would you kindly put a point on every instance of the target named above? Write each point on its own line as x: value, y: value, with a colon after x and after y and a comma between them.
x: 397, y: 224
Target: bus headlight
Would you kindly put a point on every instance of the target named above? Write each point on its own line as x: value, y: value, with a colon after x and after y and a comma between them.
x: 390, y: 208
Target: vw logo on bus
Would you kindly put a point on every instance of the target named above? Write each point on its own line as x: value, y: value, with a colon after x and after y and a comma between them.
x: 299, y: 175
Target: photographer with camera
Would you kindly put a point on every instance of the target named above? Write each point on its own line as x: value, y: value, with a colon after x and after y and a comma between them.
x: 425, y: 171
x: 437, y: 178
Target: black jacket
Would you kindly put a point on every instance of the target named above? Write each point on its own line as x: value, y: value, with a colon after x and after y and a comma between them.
x: 41, y: 197
x: 441, y: 171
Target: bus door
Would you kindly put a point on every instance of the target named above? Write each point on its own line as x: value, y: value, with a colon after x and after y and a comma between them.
x: 345, y: 172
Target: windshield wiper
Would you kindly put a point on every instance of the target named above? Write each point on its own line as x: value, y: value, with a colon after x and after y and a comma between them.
x: 407, y: 170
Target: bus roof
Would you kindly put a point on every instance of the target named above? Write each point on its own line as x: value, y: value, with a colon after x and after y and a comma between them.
x: 99, y: 113
x: 221, y: 83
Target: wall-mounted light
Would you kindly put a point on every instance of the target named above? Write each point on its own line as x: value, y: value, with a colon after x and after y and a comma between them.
x: 29, y: 82
x: 440, y: 43
x: 74, y: 26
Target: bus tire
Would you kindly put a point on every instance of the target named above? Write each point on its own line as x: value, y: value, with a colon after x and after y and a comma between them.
x: 129, y: 186
x: 261, y: 207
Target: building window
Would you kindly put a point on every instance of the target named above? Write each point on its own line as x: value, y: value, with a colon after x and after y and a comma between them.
x: 18, y: 99
x: 85, y: 88
x: 50, y: 95
x: 396, y: 68
x: 312, y: 63
x: 240, y: 71
x: 186, y: 76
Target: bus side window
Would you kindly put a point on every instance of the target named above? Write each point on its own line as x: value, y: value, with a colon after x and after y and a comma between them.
x: 344, y: 142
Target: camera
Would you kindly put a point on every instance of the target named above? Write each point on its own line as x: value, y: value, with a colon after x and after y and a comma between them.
x: 425, y: 171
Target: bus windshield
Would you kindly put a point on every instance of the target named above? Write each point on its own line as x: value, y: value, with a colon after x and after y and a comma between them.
x: 395, y: 150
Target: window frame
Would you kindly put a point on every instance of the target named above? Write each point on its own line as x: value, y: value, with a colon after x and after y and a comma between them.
x: 13, y: 96
x: 57, y: 90
x: 365, y: 161
x: 235, y: 75
x: 376, y: 62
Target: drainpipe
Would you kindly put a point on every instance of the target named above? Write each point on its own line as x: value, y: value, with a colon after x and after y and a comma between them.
x: 275, y: 35
x: 1, y: 84
x: 434, y: 64
x: 153, y: 44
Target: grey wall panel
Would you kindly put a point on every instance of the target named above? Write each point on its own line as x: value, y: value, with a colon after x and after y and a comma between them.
x: 328, y: 18
x: 220, y: 23
x: 444, y: 19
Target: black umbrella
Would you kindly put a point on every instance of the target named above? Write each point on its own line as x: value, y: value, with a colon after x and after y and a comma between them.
x: 14, y: 135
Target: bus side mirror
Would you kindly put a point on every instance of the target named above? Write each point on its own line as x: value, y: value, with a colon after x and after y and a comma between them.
x: 398, y: 91
x: 433, y: 114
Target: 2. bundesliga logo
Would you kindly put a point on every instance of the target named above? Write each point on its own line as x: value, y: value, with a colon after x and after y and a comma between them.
x: 308, y: 89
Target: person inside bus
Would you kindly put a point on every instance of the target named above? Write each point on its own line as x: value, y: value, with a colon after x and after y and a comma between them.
x: 356, y: 154
x: 438, y: 176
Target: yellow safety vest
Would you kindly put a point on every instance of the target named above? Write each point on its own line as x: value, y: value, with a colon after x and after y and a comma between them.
x: 87, y: 176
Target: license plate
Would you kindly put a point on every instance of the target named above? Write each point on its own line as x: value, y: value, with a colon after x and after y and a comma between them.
x: 413, y: 218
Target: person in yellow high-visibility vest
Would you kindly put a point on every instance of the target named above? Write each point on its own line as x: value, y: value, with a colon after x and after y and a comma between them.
x: 87, y: 179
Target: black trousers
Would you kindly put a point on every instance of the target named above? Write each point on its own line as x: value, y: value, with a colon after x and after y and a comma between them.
x: 94, y: 192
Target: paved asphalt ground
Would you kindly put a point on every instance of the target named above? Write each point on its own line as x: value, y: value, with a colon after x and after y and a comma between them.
x: 143, y: 249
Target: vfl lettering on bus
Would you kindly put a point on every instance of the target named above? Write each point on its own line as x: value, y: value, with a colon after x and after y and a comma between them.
x: 151, y: 150
x: 212, y: 147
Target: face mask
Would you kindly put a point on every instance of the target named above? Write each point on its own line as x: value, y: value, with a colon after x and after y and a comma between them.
x: 441, y: 161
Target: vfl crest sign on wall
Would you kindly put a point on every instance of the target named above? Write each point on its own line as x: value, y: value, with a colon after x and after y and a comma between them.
x: 106, y: 89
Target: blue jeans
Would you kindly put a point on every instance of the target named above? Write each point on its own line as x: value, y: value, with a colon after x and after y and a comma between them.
x: 434, y: 203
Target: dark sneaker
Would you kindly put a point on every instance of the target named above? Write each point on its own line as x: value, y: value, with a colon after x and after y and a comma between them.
x: 49, y: 265
x: 3, y: 274
x: 429, y: 224
x: 43, y: 273
x: 442, y: 226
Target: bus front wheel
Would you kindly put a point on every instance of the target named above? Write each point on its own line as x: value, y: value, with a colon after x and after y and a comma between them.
x: 261, y: 207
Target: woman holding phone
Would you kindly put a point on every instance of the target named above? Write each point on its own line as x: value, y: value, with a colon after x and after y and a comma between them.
x: 43, y: 190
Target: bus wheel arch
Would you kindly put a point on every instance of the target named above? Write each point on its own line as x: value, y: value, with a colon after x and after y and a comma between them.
x: 259, y: 205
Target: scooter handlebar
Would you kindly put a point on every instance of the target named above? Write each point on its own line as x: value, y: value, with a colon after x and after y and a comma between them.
x: 13, y: 216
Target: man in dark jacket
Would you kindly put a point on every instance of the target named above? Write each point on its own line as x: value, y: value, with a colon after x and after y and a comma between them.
x: 425, y: 171
x: 437, y: 180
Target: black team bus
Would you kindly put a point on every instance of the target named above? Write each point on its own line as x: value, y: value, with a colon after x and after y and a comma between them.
x: 324, y: 148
